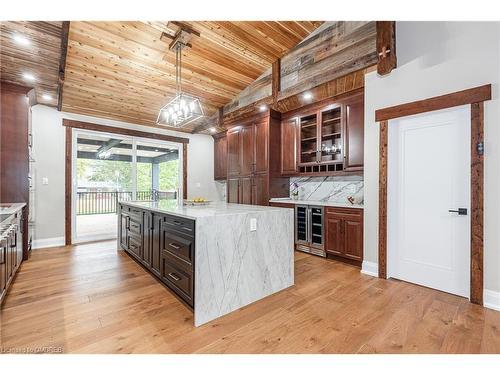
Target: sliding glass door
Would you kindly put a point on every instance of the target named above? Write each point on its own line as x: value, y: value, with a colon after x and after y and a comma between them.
x: 108, y: 168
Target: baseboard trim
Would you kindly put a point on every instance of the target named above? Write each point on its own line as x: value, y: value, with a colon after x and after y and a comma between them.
x: 491, y: 299
x: 369, y: 268
x: 48, y: 242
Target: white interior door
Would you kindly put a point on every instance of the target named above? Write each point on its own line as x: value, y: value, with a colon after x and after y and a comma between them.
x: 429, y: 175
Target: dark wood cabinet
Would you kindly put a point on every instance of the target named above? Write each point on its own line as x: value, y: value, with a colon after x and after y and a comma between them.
x: 344, y: 233
x: 257, y: 178
x: 289, y: 146
x: 260, y: 191
x: 247, y: 154
x: 14, y: 150
x: 246, y: 188
x: 324, y: 138
x: 354, y: 133
x: 220, y: 156
x: 233, y: 152
x: 163, y: 244
x: 261, y: 147
x: 233, y: 190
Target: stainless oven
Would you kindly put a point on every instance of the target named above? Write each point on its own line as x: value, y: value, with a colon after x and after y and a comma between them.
x: 309, y: 229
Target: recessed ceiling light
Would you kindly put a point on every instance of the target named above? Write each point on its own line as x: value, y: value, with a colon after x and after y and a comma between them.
x: 212, y: 130
x: 46, y: 97
x: 263, y: 108
x: 307, y: 95
x: 21, y: 40
x: 28, y: 76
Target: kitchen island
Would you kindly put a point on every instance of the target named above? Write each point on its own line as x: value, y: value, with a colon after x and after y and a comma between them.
x: 217, y: 257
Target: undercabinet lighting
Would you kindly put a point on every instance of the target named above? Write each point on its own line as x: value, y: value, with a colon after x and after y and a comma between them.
x: 28, y: 77
x: 21, y: 40
x: 212, y: 130
x: 307, y: 96
x: 46, y: 97
x: 263, y: 108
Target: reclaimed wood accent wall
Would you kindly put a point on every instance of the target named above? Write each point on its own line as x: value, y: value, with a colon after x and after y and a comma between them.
x: 334, y: 50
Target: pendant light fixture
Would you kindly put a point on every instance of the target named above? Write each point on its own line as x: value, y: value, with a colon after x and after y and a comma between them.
x: 184, y: 108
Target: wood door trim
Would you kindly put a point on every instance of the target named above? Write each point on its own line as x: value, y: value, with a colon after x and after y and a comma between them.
x: 475, y: 98
x: 68, y: 195
x: 469, y: 96
x: 123, y: 131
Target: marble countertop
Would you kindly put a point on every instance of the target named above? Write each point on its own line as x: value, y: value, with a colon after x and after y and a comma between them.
x: 315, y: 203
x: 173, y: 207
x: 7, y: 212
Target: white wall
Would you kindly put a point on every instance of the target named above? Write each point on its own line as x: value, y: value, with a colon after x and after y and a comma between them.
x: 49, y: 150
x: 436, y: 58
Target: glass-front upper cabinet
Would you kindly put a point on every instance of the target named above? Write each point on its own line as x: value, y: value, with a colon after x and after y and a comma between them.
x: 309, y: 139
x: 331, y: 136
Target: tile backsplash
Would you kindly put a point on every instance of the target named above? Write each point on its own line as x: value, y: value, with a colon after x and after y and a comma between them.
x: 332, y: 189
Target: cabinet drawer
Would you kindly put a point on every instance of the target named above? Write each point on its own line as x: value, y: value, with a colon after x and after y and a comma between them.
x: 345, y: 212
x: 135, y: 245
x: 135, y: 226
x: 136, y: 214
x: 180, y: 246
x: 180, y: 224
x: 178, y: 280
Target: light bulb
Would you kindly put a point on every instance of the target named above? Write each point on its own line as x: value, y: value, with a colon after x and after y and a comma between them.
x: 191, y: 106
x: 176, y: 106
x: 174, y: 116
x: 170, y: 110
x: 183, y: 103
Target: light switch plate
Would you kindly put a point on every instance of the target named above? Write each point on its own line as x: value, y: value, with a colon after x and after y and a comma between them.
x: 45, y: 180
x: 253, y: 225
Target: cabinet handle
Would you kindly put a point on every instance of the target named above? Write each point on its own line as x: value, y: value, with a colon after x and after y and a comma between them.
x: 172, y: 244
x: 174, y: 276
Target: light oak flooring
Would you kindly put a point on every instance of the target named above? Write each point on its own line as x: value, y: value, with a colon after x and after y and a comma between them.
x: 94, y: 299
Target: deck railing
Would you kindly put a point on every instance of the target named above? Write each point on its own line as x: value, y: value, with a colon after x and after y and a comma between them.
x: 106, y: 202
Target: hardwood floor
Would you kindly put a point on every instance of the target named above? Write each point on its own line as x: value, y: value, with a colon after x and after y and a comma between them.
x: 94, y: 299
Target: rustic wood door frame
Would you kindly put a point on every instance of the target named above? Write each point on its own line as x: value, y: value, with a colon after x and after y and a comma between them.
x: 70, y: 124
x: 474, y: 97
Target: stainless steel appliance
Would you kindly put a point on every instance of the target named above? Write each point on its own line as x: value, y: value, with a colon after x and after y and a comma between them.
x: 309, y: 229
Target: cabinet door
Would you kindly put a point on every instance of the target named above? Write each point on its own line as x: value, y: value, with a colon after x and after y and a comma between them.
x: 233, y: 152
x: 334, y: 237
x: 247, y: 150
x: 245, y: 190
x: 155, y: 244
x: 353, y: 237
x: 233, y: 190
x: 220, y: 158
x: 289, y: 146
x: 260, y: 193
x: 146, y: 239
x: 354, y: 134
x: 261, y: 147
x: 123, y: 230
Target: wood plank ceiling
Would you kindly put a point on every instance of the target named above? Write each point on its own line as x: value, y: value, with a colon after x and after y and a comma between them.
x: 38, y: 56
x: 123, y: 71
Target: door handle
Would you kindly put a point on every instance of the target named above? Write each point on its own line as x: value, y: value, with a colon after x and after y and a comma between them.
x: 460, y: 211
x: 174, y: 276
x: 172, y: 244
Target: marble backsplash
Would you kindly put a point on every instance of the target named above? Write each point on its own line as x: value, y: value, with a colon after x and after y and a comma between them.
x: 332, y: 189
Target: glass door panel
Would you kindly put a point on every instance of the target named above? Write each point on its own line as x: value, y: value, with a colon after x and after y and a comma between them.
x: 331, y: 136
x: 157, y: 170
x: 104, y: 172
x: 308, y: 139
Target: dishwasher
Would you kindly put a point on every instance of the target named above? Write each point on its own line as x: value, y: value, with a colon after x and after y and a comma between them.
x: 309, y: 231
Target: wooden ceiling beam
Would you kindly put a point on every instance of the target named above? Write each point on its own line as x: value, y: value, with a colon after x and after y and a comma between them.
x: 62, y: 63
x: 386, y: 47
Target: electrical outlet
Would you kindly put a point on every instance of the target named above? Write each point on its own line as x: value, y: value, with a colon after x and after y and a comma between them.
x: 198, y: 184
x: 253, y: 225
x: 45, y: 180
